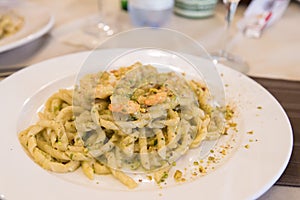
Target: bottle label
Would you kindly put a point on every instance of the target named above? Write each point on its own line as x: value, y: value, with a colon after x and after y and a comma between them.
x: 151, y: 4
x: 195, y: 8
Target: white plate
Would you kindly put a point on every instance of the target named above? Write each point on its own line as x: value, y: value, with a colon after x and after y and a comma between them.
x: 37, y: 22
x: 244, y: 174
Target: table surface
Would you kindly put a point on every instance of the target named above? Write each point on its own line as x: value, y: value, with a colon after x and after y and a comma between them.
x: 274, y: 55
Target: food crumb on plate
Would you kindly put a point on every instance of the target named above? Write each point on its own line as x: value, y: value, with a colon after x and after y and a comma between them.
x: 177, y: 175
x: 250, y: 132
x: 202, y: 169
x: 223, y: 152
x: 149, y: 178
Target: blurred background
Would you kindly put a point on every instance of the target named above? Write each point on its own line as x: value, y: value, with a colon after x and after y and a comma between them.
x: 82, y: 25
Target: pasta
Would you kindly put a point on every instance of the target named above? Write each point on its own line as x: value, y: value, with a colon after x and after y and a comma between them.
x: 130, y: 119
x: 10, y: 23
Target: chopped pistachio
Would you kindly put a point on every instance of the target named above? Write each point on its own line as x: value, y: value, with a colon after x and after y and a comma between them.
x: 250, y: 132
x: 149, y: 178
x: 232, y: 124
x: 211, y: 158
x: 177, y: 175
x: 223, y: 152
x: 202, y: 169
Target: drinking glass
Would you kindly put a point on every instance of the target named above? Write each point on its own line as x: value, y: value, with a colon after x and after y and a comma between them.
x: 104, y: 24
x: 223, y: 56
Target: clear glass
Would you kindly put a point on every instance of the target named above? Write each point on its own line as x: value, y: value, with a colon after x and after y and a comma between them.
x: 104, y: 24
x: 223, y: 56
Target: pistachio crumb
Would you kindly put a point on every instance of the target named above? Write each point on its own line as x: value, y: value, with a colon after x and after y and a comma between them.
x: 223, y: 152
x: 149, y: 178
x: 178, y: 175
x: 211, y: 158
x: 202, y: 170
x: 229, y: 113
x: 250, y: 132
x: 232, y: 124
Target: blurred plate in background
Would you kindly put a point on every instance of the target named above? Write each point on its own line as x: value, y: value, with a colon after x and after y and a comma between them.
x: 37, y: 22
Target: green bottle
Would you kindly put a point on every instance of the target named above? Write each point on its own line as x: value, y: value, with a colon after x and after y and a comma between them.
x: 124, y: 4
